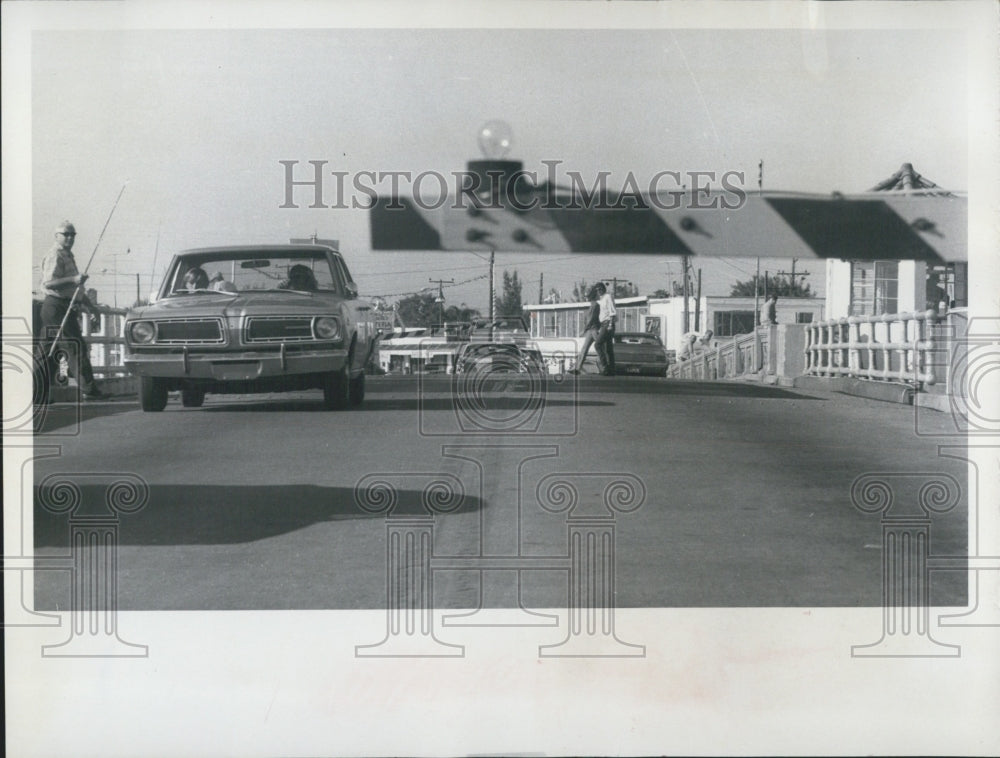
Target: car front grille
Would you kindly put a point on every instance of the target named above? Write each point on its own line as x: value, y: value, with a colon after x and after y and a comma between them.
x: 278, y: 329
x: 199, y: 331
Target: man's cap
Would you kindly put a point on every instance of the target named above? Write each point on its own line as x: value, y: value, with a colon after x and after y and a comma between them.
x: 65, y: 227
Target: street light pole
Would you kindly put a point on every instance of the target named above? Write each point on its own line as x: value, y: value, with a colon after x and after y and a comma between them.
x: 440, y: 297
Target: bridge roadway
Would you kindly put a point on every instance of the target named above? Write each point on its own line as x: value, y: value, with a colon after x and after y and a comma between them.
x: 253, y: 501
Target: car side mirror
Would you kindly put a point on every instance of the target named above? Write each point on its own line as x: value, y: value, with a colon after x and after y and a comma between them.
x: 352, y: 290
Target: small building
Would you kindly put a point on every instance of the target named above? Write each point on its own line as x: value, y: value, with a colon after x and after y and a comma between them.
x: 876, y: 287
x: 726, y: 316
x: 415, y: 350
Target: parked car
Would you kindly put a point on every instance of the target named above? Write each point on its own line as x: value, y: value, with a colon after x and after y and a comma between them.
x: 252, y: 319
x: 640, y: 353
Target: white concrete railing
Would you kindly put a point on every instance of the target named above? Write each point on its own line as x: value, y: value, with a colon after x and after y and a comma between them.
x: 888, y: 347
x: 738, y: 356
x: 104, y: 333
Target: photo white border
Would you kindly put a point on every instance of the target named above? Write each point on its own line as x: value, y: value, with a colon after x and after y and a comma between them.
x: 739, y: 681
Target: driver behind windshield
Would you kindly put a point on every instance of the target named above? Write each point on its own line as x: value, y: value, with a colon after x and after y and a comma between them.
x: 299, y: 278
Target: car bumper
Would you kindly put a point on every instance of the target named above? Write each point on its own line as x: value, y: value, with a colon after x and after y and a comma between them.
x: 648, y: 369
x: 234, y: 367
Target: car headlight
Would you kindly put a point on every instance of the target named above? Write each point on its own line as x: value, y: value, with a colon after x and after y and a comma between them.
x: 142, y: 332
x: 326, y: 328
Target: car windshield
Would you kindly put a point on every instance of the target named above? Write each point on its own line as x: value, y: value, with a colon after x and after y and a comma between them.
x: 237, y: 272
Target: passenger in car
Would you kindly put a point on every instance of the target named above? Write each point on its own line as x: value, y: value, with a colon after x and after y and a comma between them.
x: 195, y: 279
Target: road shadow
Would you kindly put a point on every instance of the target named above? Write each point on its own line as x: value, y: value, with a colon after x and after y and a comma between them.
x: 487, y: 402
x: 217, y: 515
x: 676, y: 387
x: 67, y: 417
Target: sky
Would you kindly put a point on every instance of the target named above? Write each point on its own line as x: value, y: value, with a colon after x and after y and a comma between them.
x: 194, y: 123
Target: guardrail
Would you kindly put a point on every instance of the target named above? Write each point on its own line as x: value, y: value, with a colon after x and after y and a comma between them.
x: 741, y: 355
x: 104, y: 333
x: 888, y: 347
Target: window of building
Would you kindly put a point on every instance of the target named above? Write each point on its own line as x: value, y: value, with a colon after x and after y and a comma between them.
x: 874, y: 287
x: 803, y: 317
x: 731, y: 323
x: 948, y: 286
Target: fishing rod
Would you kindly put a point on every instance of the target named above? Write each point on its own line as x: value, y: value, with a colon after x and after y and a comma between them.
x: 79, y: 287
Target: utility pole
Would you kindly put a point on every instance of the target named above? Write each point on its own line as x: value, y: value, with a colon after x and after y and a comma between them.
x: 541, y: 287
x: 493, y: 292
x: 697, y: 305
x: 138, y: 297
x: 687, y: 294
x: 440, y: 284
x: 756, y: 295
x: 792, y: 273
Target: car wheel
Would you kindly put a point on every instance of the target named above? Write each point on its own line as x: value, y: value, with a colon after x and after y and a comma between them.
x: 192, y: 397
x: 357, y: 390
x: 337, y: 390
x: 152, y: 394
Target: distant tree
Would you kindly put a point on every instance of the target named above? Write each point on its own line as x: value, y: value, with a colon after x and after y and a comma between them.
x: 461, y: 313
x: 622, y: 289
x: 783, y: 286
x: 419, y: 310
x: 626, y: 289
x: 509, y: 303
x: 660, y: 293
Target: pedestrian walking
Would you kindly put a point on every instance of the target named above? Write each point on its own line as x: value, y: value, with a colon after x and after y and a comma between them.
x: 605, y: 341
x: 590, y: 331
x: 60, y: 279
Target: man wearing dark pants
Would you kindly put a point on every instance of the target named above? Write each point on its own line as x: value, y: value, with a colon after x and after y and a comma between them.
x: 590, y: 332
x: 605, y: 341
x: 60, y: 278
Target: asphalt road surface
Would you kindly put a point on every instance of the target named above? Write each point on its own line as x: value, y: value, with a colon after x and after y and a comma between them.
x: 720, y: 494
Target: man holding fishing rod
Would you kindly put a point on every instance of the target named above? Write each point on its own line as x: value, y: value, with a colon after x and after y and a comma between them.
x: 62, y: 284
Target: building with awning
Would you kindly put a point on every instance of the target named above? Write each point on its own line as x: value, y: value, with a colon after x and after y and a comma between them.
x: 872, y: 285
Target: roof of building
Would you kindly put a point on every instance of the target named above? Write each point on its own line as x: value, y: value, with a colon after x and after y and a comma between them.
x: 908, y: 180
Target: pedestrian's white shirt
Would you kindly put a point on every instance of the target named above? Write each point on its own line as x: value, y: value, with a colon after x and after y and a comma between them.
x: 607, y: 305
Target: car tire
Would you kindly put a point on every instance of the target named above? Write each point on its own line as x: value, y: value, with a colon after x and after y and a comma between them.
x: 337, y: 390
x: 152, y: 394
x: 357, y: 390
x: 192, y: 397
